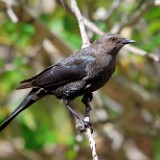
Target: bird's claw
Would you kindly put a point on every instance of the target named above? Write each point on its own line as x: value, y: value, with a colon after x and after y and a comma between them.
x: 83, y: 125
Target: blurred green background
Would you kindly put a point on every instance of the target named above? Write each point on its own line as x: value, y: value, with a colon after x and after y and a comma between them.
x: 126, y: 112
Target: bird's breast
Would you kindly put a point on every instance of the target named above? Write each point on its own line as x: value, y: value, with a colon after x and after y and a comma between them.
x: 100, y: 79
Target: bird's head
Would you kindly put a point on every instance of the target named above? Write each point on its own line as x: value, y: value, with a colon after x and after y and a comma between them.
x: 113, y: 42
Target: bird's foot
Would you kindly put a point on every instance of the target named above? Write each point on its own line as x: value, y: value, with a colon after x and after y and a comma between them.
x: 84, y: 124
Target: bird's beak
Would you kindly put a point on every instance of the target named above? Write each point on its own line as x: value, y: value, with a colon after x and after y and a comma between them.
x: 127, y: 41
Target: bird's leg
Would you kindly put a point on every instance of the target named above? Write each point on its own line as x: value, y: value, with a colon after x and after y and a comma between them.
x: 66, y: 103
x: 87, y: 98
x: 82, y: 123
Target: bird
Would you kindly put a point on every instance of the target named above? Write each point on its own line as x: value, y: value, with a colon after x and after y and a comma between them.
x: 80, y: 74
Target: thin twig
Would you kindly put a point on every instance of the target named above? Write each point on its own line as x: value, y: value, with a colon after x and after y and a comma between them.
x: 91, y: 141
x: 141, y: 52
x: 86, y: 43
x: 10, y: 11
x: 90, y: 25
x: 130, y: 20
x: 92, y: 144
x: 78, y: 15
x: 138, y: 15
x: 112, y: 8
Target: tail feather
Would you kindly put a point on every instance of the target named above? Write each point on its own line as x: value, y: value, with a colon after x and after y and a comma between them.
x: 24, y: 85
x: 32, y: 97
x: 27, y: 83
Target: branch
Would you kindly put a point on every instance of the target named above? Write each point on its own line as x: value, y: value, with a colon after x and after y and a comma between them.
x: 138, y: 94
x: 112, y: 8
x: 90, y: 25
x: 136, y: 17
x: 10, y: 12
x: 86, y: 43
x: 92, y: 144
x: 132, y: 19
x: 80, y: 20
x: 141, y: 52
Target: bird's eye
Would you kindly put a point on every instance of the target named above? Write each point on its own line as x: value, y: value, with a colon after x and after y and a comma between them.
x: 113, y: 39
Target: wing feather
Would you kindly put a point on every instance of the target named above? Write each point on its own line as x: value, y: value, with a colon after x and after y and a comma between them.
x: 58, y: 74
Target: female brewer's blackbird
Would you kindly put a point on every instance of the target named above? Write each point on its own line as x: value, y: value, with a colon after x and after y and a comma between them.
x: 80, y: 74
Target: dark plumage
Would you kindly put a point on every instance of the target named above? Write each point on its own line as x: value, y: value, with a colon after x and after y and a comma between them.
x: 80, y: 74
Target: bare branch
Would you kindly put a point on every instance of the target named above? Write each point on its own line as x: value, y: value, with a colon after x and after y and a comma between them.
x: 132, y: 19
x: 79, y: 17
x: 112, y: 8
x: 141, y: 52
x: 138, y: 15
x: 92, y: 27
x: 65, y: 6
x: 86, y: 43
x: 92, y: 144
x: 138, y: 94
x: 11, y: 14
x: 10, y: 11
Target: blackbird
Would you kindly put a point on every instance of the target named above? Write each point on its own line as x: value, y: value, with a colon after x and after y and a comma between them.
x: 80, y: 74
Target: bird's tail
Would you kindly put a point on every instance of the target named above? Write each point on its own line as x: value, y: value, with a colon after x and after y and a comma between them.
x: 32, y: 97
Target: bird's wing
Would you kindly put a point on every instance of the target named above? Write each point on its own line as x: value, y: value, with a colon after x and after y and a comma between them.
x: 58, y: 74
